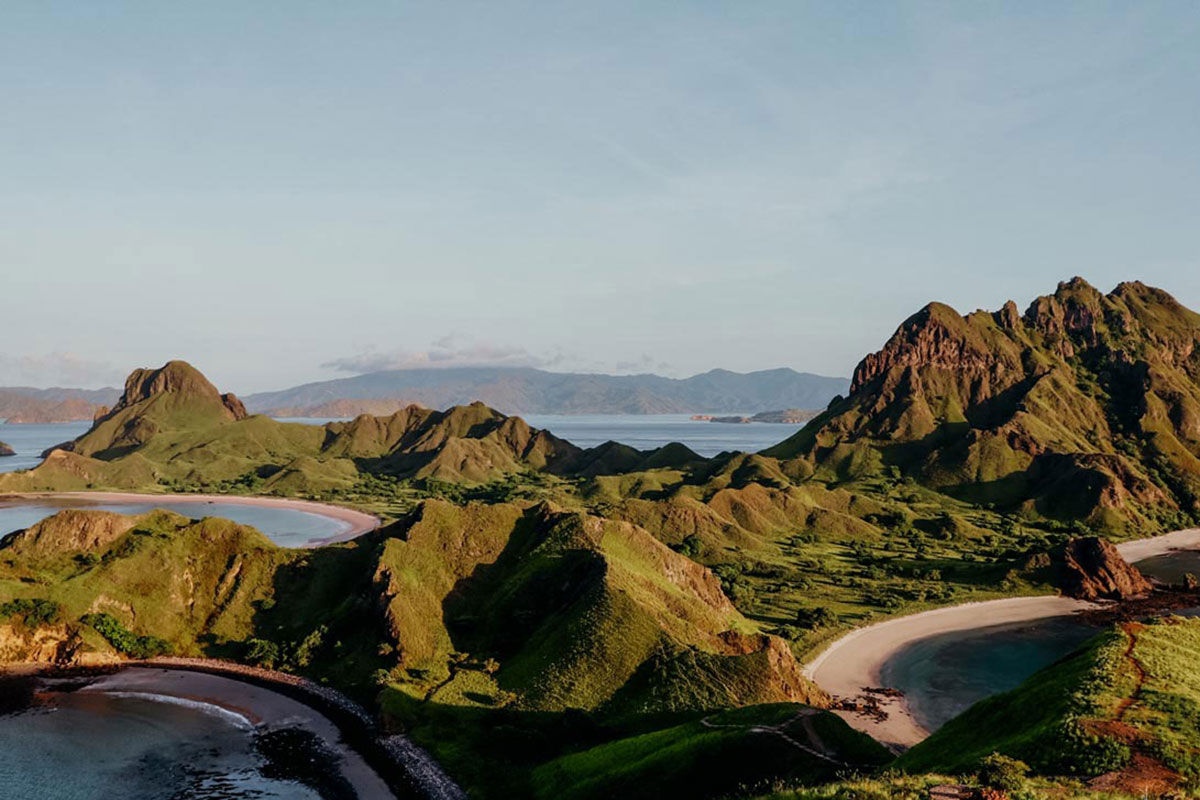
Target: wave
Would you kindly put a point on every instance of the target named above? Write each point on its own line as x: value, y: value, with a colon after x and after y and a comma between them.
x: 237, y: 719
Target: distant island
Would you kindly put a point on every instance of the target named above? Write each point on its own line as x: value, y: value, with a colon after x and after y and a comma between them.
x: 21, y: 404
x: 523, y: 390
x: 788, y: 416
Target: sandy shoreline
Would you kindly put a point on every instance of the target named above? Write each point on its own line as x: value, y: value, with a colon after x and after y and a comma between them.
x: 1142, y: 549
x: 857, y: 659
x: 354, y: 523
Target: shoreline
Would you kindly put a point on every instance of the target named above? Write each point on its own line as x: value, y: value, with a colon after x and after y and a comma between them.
x: 355, y: 523
x: 378, y: 764
x: 856, y: 659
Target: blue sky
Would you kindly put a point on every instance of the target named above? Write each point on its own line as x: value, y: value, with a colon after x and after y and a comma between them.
x: 281, y: 192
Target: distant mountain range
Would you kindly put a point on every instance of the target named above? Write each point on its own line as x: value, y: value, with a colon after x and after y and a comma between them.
x: 27, y: 405
x: 523, y: 390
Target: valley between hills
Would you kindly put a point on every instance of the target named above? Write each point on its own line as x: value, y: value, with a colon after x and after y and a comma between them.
x: 552, y: 621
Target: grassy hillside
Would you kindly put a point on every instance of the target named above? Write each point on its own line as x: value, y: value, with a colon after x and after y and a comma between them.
x: 732, y: 751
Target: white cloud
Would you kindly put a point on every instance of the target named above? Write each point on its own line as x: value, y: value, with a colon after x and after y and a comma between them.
x: 447, y: 351
x: 454, y: 351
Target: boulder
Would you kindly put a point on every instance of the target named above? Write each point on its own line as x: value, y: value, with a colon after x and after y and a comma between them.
x: 5, y: 450
x: 1090, y: 568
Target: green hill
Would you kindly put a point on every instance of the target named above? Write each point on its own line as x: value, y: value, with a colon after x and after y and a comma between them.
x: 521, y: 612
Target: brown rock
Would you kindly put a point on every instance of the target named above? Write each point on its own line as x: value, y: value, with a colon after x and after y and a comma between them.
x: 5, y: 450
x: 1091, y: 569
x: 234, y: 405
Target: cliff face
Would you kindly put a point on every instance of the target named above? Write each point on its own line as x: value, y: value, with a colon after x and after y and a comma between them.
x: 1086, y: 405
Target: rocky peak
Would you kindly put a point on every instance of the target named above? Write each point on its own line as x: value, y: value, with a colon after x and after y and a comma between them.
x: 936, y: 336
x: 1008, y: 317
x: 177, y: 378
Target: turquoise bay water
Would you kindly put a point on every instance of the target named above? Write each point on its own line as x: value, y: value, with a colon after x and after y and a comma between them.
x: 942, y: 676
x: 90, y: 745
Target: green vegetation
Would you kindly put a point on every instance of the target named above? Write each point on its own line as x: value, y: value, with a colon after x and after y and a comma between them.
x: 124, y: 640
x: 898, y: 786
x: 722, y: 753
x: 33, y: 612
x: 558, y: 622
x: 1003, y: 773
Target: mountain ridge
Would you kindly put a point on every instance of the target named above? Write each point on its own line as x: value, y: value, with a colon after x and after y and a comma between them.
x: 1085, y: 406
x: 526, y: 390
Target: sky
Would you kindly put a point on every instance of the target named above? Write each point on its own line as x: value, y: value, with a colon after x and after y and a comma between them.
x: 281, y: 192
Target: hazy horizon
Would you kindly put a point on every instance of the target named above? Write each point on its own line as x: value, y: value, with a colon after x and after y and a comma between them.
x: 285, y: 195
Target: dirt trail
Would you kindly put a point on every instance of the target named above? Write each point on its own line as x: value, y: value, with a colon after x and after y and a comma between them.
x: 1145, y: 775
x: 815, y: 746
x: 1131, y: 629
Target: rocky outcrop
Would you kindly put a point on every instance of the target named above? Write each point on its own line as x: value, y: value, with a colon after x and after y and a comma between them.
x: 1090, y: 568
x: 234, y: 406
x: 6, y: 450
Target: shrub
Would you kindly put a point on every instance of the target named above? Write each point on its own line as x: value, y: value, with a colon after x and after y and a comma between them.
x: 818, y: 617
x: 690, y: 546
x: 123, y: 639
x: 262, y: 652
x: 35, y: 612
x: 1001, y: 772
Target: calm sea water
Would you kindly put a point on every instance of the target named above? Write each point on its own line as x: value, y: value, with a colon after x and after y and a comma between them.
x: 30, y: 441
x: 89, y: 745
